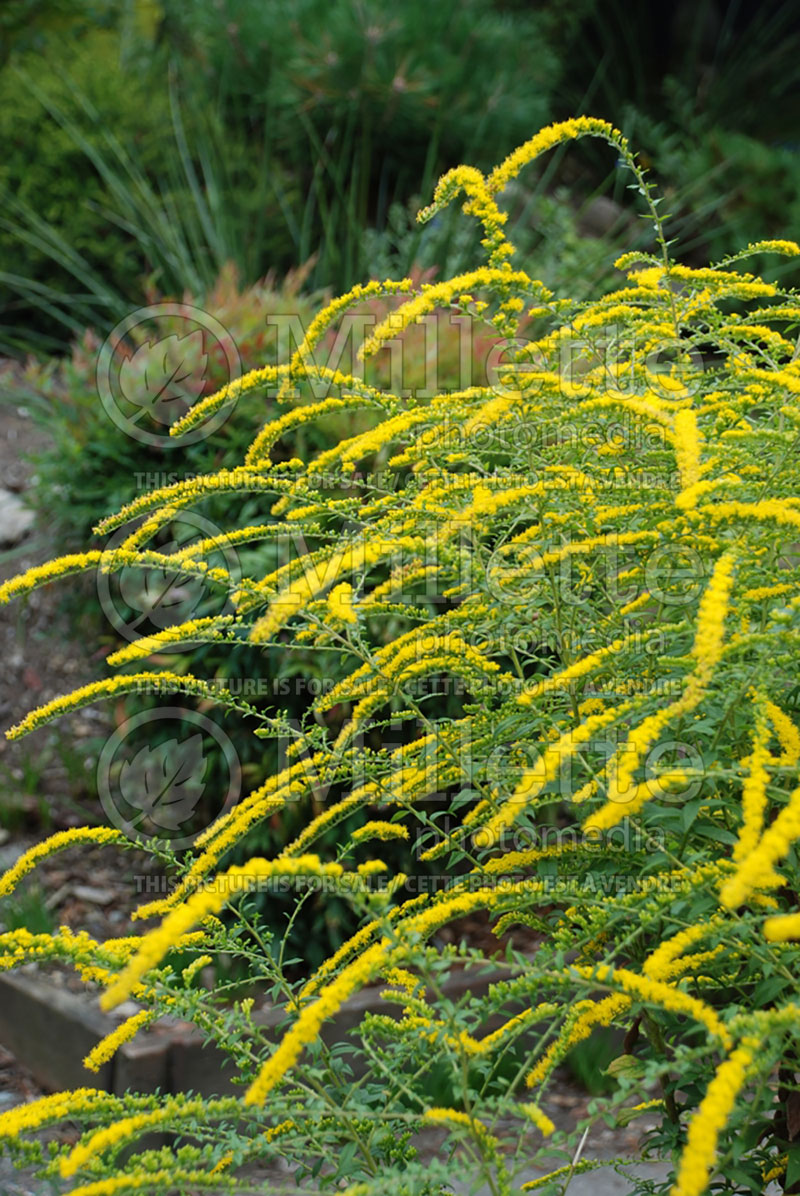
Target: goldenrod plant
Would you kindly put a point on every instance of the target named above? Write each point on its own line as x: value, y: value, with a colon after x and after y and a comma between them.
x: 600, y: 547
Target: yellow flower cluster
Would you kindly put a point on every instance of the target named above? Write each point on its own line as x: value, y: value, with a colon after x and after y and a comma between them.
x: 534, y: 780
x: 487, y: 1143
x: 585, y: 1016
x: 165, y: 1113
x: 659, y: 964
x: 754, y: 790
x: 480, y: 203
x: 548, y: 138
x: 317, y: 577
x: 237, y: 880
x: 136, y: 1181
x: 108, y: 1046
x: 212, y: 627
x: 698, y: 1158
x: 658, y: 993
x: 687, y: 449
x: 273, y: 431
x: 229, y: 393
x: 379, y: 830
x: 42, y: 574
x: 74, y: 1103
x: 624, y: 797
x: 440, y: 294
x: 340, y: 603
x: 539, y: 1119
x: 788, y: 735
x: 757, y: 869
x: 58, y: 842
x: 111, y: 687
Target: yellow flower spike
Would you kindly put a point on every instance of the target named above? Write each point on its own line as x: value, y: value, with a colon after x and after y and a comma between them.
x: 316, y: 578
x: 40, y: 575
x: 306, y: 1028
x: 787, y: 248
x: 438, y: 295
x: 700, y: 1152
x: 106, y: 561
x: 199, y: 549
x: 223, y: 1164
x: 757, y: 870
x: 108, y: 1046
x: 487, y: 1143
x: 687, y: 447
x: 657, y: 966
x: 273, y: 431
x: 130, y: 1127
x: 301, y: 360
x: 787, y: 733
x: 497, y: 1038
x: 58, y: 842
x: 229, y: 393
x: 626, y: 797
x: 360, y: 939
x: 664, y: 995
x: 548, y: 766
x: 590, y: 1014
x: 782, y: 929
x: 150, y: 1181
x: 754, y: 790
x: 205, y: 630
x: 237, y: 880
x: 153, y: 682
x: 769, y: 510
x: 190, y: 971
x: 759, y: 593
x: 481, y: 204
x: 587, y: 664
x: 563, y: 1173
x: 548, y: 138
x: 539, y: 1119
x: 55, y: 1107
x: 379, y: 830
x: 167, y: 501
x: 340, y: 603
x: 579, y: 547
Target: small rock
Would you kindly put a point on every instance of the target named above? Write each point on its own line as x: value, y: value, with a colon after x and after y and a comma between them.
x: 16, y: 520
x: 93, y: 895
x: 55, y: 898
x: 126, y: 1009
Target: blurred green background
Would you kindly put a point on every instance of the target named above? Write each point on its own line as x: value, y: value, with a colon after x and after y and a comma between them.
x: 148, y: 143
